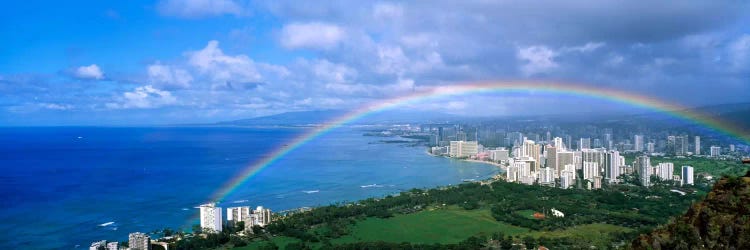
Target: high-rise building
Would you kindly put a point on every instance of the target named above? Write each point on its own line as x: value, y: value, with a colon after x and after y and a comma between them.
x: 687, y: 175
x: 697, y: 145
x: 237, y: 214
x: 612, y: 165
x: 568, y: 142
x: 638, y: 143
x: 559, y: 144
x: 551, y: 156
x: 671, y: 145
x: 597, y: 182
x: 715, y: 151
x: 590, y: 169
x: 547, y: 176
x: 643, y: 166
x: 731, y: 148
x: 461, y: 149
x: 685, y: 145
x: 98, y: 245
x: 211, y: 218
x: 565, y: 158
x: 594, y: 155
x: 261, y: 216
x: 665, y: 171
x: 650, y: 147
x: 511, y: 175
x: 566, y: 179
x: 584, y: 143
x: 499, y: 154
x: 139, y: 241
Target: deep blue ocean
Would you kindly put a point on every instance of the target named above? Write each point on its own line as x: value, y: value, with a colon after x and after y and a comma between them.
x: 65, y: 187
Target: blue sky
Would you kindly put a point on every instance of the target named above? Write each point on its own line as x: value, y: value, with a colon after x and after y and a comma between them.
x: 161, y: 62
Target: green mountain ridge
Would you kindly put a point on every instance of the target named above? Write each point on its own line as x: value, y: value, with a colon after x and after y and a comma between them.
x: 720, y: 221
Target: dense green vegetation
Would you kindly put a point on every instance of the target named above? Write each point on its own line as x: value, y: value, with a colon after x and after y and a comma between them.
x: 721, y: 221
x: 442, y: 216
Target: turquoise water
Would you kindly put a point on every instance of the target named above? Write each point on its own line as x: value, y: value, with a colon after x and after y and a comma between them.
x: 63, y: 187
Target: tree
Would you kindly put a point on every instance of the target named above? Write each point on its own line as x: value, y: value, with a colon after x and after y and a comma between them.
x: 257, y: 230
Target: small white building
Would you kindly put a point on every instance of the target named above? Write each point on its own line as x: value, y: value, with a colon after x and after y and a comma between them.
x: 557, y: 213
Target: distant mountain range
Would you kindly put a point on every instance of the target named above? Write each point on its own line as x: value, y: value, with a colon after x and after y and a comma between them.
x: 302, y: 118
x: 737, y: 113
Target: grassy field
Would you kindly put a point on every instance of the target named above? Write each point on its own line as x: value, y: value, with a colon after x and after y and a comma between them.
x: 597, y: 234
x: 280, y: 241
x: 529, y: 214
x: 448, y: 225
x: 712, y: 166
x: 452, y: 225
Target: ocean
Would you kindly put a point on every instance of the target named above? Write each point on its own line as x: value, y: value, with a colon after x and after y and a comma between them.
x: 65, y: 187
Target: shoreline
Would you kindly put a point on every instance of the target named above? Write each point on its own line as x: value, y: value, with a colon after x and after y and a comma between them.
x: 498, y: 165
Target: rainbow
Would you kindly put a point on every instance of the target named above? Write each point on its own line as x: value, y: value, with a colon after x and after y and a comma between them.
x: 484, y: 87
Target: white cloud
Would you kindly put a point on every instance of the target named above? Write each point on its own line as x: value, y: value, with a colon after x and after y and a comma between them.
x: 199, y: 8
x: 387, y: 11
x: 332, y: 72
x: 538, y: 59
x: 739, y: 52
x: 168, y: 76
x: 55, y: 106
x: 588, y: 47
x: 144, y: 97
x: 237, y: 70
x: 392, y: 60
x: 314, y: 35
x: 91, y: 72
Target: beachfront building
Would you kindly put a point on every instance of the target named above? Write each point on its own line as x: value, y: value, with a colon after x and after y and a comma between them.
x: 99, y: 245
x: 499, y: 154
x: 237, y: 214
x: 461, y: 149
x: 260, y: 217
x: 139, y: 241
x: 687, y: 175
x: 211, y: 218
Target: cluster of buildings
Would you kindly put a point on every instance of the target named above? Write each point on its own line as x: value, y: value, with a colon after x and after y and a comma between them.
x: 212, y: 221
x: 136, y: 241
x: 554, y: 163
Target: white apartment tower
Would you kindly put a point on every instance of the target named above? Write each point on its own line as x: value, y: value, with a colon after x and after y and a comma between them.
x: 665, y: 170
x: 687, y: 175
x: 638, y: 142
x: 715, y: 151
x: 139, y: 241
x: 463, y: 148
x: 697, y: 145
x: 261, y: 216
x: 584, y: 143
x: 612, y: 165
x: 237, y: 214
x: 211, y: 217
